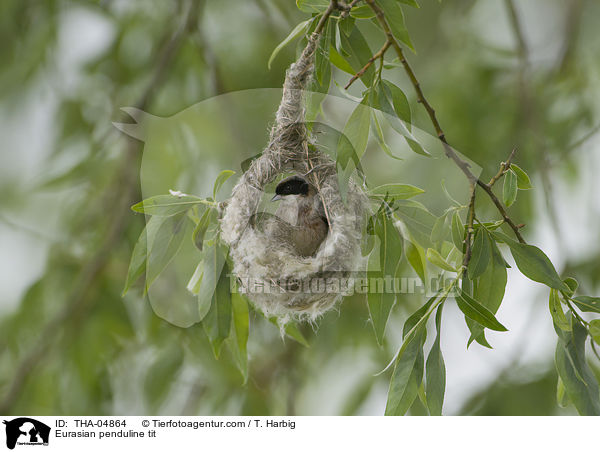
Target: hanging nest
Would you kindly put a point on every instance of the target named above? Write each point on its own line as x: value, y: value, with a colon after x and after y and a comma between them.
x: 275, y: 277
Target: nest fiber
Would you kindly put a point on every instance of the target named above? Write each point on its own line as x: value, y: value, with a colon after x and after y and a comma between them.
x: 275, y: 278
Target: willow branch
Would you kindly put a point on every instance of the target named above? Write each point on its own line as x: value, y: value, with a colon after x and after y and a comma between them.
x: 469, y: 229
x: 380, y: 53
x: 348, y: 7
x: 333, y: 5
x: 450, y: 153
x: 504, y: 167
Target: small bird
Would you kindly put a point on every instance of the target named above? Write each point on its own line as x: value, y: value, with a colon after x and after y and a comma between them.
x: 299, y: 220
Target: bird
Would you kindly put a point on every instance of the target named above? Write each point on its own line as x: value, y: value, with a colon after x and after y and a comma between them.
x: 299, y: 221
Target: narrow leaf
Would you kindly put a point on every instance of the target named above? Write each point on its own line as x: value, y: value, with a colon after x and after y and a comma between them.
x: 166, y: 244
x: 580, y: 384
x: 395, y: 19
x: 558, y: 316
x: 298, y: 31
x: 398, y: 100
x: 436, y: 371
x: 509, y: 191
x: 220, y: 180
x: 416, y: 316
x: 416, y: 258
x: 588, y: 304
x: 209, y: 216
x: 416, y: 147
x: 312, y: 6
x: 396, y: 191
x: 380, y: 300
x: 167, y: 205
x: 533, y: 263
x: 523, y: 181
x: 458, y: 231
x: 436, y: 258
x: 407, y: 376
x: 240, y: 330
x: 480, y: 256
x: 476, y: 311
x: 213, y: 258
x: 217, y: 322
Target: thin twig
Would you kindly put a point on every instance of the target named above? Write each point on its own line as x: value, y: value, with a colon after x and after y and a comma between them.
x: 380, y: 53
x: 333, y: 5
x: 348, y: 7
x: 469, y: 228
x: 504, y: 167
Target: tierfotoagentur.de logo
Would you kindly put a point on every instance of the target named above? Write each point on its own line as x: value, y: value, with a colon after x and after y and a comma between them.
x: 24, y: 431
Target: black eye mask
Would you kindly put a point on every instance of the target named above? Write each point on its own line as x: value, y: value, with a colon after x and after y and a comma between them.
x: 294, y: 185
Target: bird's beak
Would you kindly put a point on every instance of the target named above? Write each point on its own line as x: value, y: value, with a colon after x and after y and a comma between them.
x: 276, y: 198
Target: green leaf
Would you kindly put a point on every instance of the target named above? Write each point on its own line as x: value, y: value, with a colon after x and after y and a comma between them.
x: 193, y: 284
x: 240, y: 331
x: 322, y: 76
x: 210, y: 216
x: 558, y: 316
x: 382, y: 100
x: 416, y: 258
x: 436, y: 371
x: 220, y: 180
x: 353, y: 143
x: 448, y: 195
x: 509, y: 191
x: 359, y: 53
x: 458, y: 231
x: 162, y: 374
x: 523, y: 181
x: 595, y: 330
x: 396, y: 191
x: 580, y: 384
x: 417, y: 219
x: 167, y: 205
x: 398, y: 100
x: 409, y: 2
x: 362, y: 12
x: 416, y: 147
x: 436, y: 258
x: 312, y: 6
x: 339, y: 61
x: 379, y: 135
x: 408, y: 374
x: 298, y: 31
x: 395, y: 19
x: 213, y: 259
x: 292, y: 331
x: 137, y: 264
x: 533, y: 263
x: 588, y: 304
x: 380, y: 302
x: 480, y: 255
x: 476, y: 311
x: 561, y: 394
x: 439, y: 231
x: 416, y: 316
x: 572, y: 284
x: 165, y: 244
x: 217, y: 322
x: 489, y: 290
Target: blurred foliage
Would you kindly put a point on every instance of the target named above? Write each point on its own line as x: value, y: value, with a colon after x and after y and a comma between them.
x: 71, y: 345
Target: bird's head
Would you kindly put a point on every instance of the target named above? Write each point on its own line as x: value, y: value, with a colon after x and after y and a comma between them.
x: 294, y: 185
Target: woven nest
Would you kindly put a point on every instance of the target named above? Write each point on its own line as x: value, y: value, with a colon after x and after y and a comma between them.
x: 275, y: 278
